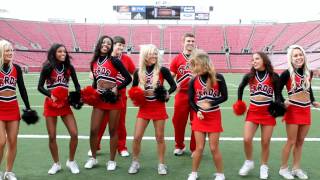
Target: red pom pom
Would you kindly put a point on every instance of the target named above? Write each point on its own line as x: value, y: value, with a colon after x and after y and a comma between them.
x: 62, y: 97
x: 60, y: 93
x: 136, y: 94
x: 89, y: 95
x: 239, y: 108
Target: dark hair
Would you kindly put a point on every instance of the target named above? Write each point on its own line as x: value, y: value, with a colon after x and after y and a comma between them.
x: 188, y: 34
x: 119, y: 39
x: 97, y: 48
x: 52, y: 61
x: 267, y: 64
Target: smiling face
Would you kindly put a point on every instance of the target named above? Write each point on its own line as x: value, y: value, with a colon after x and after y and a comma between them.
x: 188, y: 44
x: 7, y: 54
x: 105, y: 46
x: 118, y: 48
x: 152, y: 58
x: 297, y: 58
x: 257, y: 62
x: 61, y: 54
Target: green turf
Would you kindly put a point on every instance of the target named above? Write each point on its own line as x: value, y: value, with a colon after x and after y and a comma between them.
x: 34, y: 159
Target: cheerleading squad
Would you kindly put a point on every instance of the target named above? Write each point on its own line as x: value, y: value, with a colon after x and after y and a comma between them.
x: 199, y: 92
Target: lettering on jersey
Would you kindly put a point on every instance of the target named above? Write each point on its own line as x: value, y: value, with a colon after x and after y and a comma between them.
x: 261, y: 88
x: 8, y: 80
x: 102, y: 71
x: 61, y: 79
x: 202, y: 94
x: 183, y: 69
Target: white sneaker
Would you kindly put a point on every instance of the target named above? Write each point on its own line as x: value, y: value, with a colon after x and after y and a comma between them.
x: 247, y: 166
x: 56, y: 167
x: 134, y: 167
x: 193, y: 176
x: 91, y: 162
x: 300, y: 174
x: 111, y: 165
x: 264, y: 171
x: 219, y: 176
x: 162, y: 169
x: 124, y: 153
x: 1, y: 175
x: 73, y: 166
x: 179, y: 152
x: 285, y: 173
x: 9, y: 176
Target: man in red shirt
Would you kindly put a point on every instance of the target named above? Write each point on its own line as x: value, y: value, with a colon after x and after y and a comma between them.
x: 180, y: 69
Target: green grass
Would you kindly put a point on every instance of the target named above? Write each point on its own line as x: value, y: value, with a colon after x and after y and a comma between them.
x: 34, y: 159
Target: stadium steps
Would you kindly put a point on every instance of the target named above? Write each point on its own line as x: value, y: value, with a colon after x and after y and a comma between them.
x: 74, y: 40
x: 312, y: 30
x: 307, y: 36
x: 45, y: 33
x: 225, y: 45
x: 314, y: 47
x: 99, y: 35
x: 225, y: 41
x: 20, y: 34
x: 280, y: 34
x: 130, y: 35
x: 161, y: 36
x: 249, y: 43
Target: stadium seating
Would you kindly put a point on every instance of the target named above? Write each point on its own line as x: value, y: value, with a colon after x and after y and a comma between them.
x: 209, y: 38
x: 32, y: 39
x: 86, y: 36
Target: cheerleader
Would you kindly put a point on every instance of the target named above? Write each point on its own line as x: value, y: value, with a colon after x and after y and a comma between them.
x: 119, y: 44
x: 56, y: 73
x: 206, y: 91
x: 180, y: 69
x: 150, y: 77
x: 10, y: 77
x: 263, y: 85
x: 297, y: 80
x: 105, y: 69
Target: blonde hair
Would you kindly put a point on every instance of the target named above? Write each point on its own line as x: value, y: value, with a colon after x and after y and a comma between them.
x: 306, y: 70
x: 4, y: 44
x: 202, y: 58
x: 145, y: 51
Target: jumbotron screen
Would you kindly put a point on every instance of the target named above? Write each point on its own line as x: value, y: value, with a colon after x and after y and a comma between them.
x: 126, y: 12
x: 167, y: 12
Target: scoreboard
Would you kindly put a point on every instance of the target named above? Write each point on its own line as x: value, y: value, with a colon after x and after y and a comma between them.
x: 126, y: 12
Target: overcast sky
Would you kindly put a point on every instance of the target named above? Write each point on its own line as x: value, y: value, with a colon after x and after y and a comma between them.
x: 225, y: 11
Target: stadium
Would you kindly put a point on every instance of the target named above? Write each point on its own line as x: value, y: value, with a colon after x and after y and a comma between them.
x: 230, y: 48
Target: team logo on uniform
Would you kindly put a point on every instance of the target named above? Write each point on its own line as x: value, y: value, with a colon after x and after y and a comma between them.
x: 102, y: 71
x: 183, y: 69
x: 8, y: 80
x: 61, y: 79
x: 207, y: 93
x: 261, y: 88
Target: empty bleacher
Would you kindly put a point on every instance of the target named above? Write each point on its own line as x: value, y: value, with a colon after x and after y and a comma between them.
x: 32, y: 39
